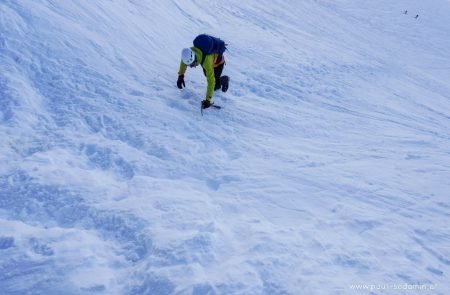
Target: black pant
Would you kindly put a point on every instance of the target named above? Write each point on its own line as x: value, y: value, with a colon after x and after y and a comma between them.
x: 217, y: 73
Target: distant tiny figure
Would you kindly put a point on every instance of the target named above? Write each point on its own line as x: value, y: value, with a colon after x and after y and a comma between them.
x: 406, y: 12
x: 417, y: 16
x: 208, y: 52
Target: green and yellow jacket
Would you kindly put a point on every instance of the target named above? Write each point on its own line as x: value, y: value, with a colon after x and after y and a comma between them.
x: 208, y: 66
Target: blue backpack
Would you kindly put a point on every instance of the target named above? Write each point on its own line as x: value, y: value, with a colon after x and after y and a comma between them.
x: 209, y: 44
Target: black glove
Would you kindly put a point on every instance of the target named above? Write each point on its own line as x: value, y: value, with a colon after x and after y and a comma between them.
x: 180, y: 82
x: 206, y: 104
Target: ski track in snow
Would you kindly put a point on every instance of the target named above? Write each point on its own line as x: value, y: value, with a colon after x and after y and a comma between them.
x: 327, y: 166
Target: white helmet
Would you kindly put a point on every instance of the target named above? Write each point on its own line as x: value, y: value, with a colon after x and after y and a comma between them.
x: 187, y: 56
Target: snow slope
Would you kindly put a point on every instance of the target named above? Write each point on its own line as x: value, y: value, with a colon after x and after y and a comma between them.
x: 326, y: 171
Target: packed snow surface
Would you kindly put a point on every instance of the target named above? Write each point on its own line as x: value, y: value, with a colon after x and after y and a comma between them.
x: 327, y: 169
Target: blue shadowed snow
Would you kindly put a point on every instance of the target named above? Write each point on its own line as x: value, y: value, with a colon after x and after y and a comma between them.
x: 6, y: 242
x: 327, y: 166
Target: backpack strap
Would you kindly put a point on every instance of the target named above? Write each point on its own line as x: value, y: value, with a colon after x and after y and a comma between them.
x: 203, y: 58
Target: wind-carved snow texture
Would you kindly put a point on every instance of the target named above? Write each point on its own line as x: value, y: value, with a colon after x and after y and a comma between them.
x: 325, y: 172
